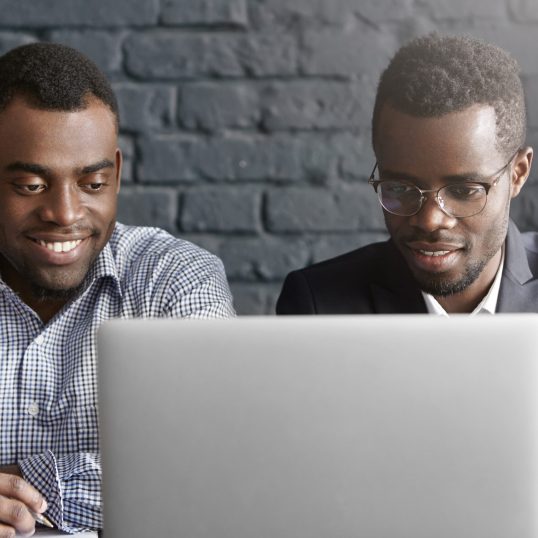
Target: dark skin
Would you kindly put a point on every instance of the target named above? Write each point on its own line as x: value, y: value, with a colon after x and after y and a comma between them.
x: 59, y: 180
x: 431, y: 152
x: 17, y: 498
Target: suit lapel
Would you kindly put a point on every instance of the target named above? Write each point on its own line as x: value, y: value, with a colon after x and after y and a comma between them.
x: 519, y: 288
x: 395, y: 291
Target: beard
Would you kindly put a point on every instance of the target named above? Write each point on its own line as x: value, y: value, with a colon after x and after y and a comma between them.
x: 57, y: 284
x: 43, y: 294
x: 443, y: 285
x: 439, y: 287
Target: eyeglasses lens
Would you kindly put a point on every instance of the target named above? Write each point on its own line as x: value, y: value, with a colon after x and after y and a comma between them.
x: 399, y: 198
x: 457, y: 200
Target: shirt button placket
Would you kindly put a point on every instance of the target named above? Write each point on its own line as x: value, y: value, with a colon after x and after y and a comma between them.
x: 33, y: 407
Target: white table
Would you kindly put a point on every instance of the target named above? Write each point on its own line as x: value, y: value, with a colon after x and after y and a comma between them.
x: 55, y: 533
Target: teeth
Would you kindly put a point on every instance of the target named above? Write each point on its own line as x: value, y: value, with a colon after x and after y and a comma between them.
x: 434, y: 252
x: 60, y: 246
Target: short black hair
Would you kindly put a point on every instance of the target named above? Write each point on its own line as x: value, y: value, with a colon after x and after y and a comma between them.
x: 434, y: 75
x: 51, y: 76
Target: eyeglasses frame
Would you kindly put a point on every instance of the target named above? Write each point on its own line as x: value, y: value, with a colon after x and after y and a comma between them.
x: 494, y: 180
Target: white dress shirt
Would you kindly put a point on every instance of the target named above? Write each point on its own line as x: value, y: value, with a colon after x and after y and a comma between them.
x: 48, y: 388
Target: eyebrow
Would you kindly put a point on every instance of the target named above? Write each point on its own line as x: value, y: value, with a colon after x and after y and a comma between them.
x: 40, y: 170
x: 471, y: 176
x: 101, y: 165
x: 19, y: 166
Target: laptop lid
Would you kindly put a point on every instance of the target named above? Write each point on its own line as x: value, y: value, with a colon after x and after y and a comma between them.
x: 317, y: 427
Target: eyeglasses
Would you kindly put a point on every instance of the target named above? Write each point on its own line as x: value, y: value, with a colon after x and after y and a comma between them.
x: 460, y: 200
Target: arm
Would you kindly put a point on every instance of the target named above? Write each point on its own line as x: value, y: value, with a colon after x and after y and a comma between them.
x: 72, y: 486
x: 296, y: 296
x: 17, y: 499
x: 207, y: 296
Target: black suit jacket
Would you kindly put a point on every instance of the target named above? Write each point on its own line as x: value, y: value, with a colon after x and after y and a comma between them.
x: 376, y: 280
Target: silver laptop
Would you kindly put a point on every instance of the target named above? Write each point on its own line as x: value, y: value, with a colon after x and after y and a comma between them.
x: 320, y: 427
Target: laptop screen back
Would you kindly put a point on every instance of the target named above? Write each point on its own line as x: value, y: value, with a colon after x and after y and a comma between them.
x: 375, y: 427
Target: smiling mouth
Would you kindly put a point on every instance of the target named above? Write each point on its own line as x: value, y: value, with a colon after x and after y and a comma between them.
x: 435, y: 252
x: 59, y: 246
x: 433, y: 258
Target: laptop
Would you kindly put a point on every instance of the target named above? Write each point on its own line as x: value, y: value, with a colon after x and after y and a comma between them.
x: 320, y: 427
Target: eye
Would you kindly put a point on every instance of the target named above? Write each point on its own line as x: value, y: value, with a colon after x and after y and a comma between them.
x: 95, y: 186
x: 465, y: 191
x: 34, y: 188
x: 396, y: 188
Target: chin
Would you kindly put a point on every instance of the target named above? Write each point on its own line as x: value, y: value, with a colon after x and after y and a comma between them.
x: 442, y: 287
x: 60, y: 287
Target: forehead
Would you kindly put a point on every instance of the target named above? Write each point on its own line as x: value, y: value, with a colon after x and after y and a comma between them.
x: 52, y: 137
x: 458, y: 141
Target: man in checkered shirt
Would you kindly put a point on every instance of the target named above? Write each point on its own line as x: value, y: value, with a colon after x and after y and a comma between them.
x: 66, y: 266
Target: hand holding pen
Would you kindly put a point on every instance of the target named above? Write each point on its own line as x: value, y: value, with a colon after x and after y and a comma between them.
x: 42, y: 519
x: 21, y: 505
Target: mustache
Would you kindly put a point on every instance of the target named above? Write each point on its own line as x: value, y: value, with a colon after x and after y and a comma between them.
x: 435, y: 237
x: 70, y: 230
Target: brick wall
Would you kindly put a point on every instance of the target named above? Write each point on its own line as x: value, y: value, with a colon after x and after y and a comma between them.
x: 246, y: 123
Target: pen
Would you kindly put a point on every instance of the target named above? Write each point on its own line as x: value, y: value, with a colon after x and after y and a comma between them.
x: 40, y: 518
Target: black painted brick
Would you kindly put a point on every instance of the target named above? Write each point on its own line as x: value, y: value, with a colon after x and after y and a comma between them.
x: 211, y: 106
x: 172, y: 55
x: 147, y: 207
x: 94, y: 13
x: 145, y: 107
x: 204, y: 12
x: 221, y: 210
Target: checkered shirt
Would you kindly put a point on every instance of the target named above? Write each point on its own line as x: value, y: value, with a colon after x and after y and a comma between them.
x: 48, y: 393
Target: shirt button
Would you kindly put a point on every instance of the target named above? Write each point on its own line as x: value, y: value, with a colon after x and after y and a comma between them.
x: 33, y: 409
x: 40, y: 339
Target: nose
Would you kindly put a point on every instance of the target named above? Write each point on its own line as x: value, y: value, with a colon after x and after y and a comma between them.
x: 62, y: 206
x: 431, y: 217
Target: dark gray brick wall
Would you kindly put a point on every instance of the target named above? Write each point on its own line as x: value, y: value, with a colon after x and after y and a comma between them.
x: 245, y: 124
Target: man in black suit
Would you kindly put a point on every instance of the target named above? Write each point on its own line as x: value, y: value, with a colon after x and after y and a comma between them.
x: 448, y: 132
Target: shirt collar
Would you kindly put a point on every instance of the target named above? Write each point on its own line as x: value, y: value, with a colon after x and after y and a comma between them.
x: 487, y: 305
x: 104, y: 266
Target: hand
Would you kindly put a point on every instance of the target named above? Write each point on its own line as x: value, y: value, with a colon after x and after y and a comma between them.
x: 17, y: 498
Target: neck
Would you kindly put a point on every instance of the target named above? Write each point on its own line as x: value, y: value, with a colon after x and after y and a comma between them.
x: 45, y: 309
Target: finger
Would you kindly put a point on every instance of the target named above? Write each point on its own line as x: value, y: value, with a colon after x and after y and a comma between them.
x: 16, y: 514
x: 7, y: 532
x: 15, y: 487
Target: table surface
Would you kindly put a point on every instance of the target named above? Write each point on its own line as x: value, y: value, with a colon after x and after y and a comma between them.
x: 55, y: 533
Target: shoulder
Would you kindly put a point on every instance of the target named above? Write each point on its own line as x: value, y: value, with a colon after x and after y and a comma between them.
x: 338, y: 285
x: 155, y: 251
x: 362, y: 261
x: 162, y: 275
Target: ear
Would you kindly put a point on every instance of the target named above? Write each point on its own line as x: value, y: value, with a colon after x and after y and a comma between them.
x: 521, y: 170
x: 119, y: 163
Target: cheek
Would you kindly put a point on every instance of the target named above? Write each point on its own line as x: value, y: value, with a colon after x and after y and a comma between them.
x: 488, y: 232
x: 393, y: 223
x: 496, y: 213
x: 105, y: 215
x: 15, y: 213
x: 103, y: 208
